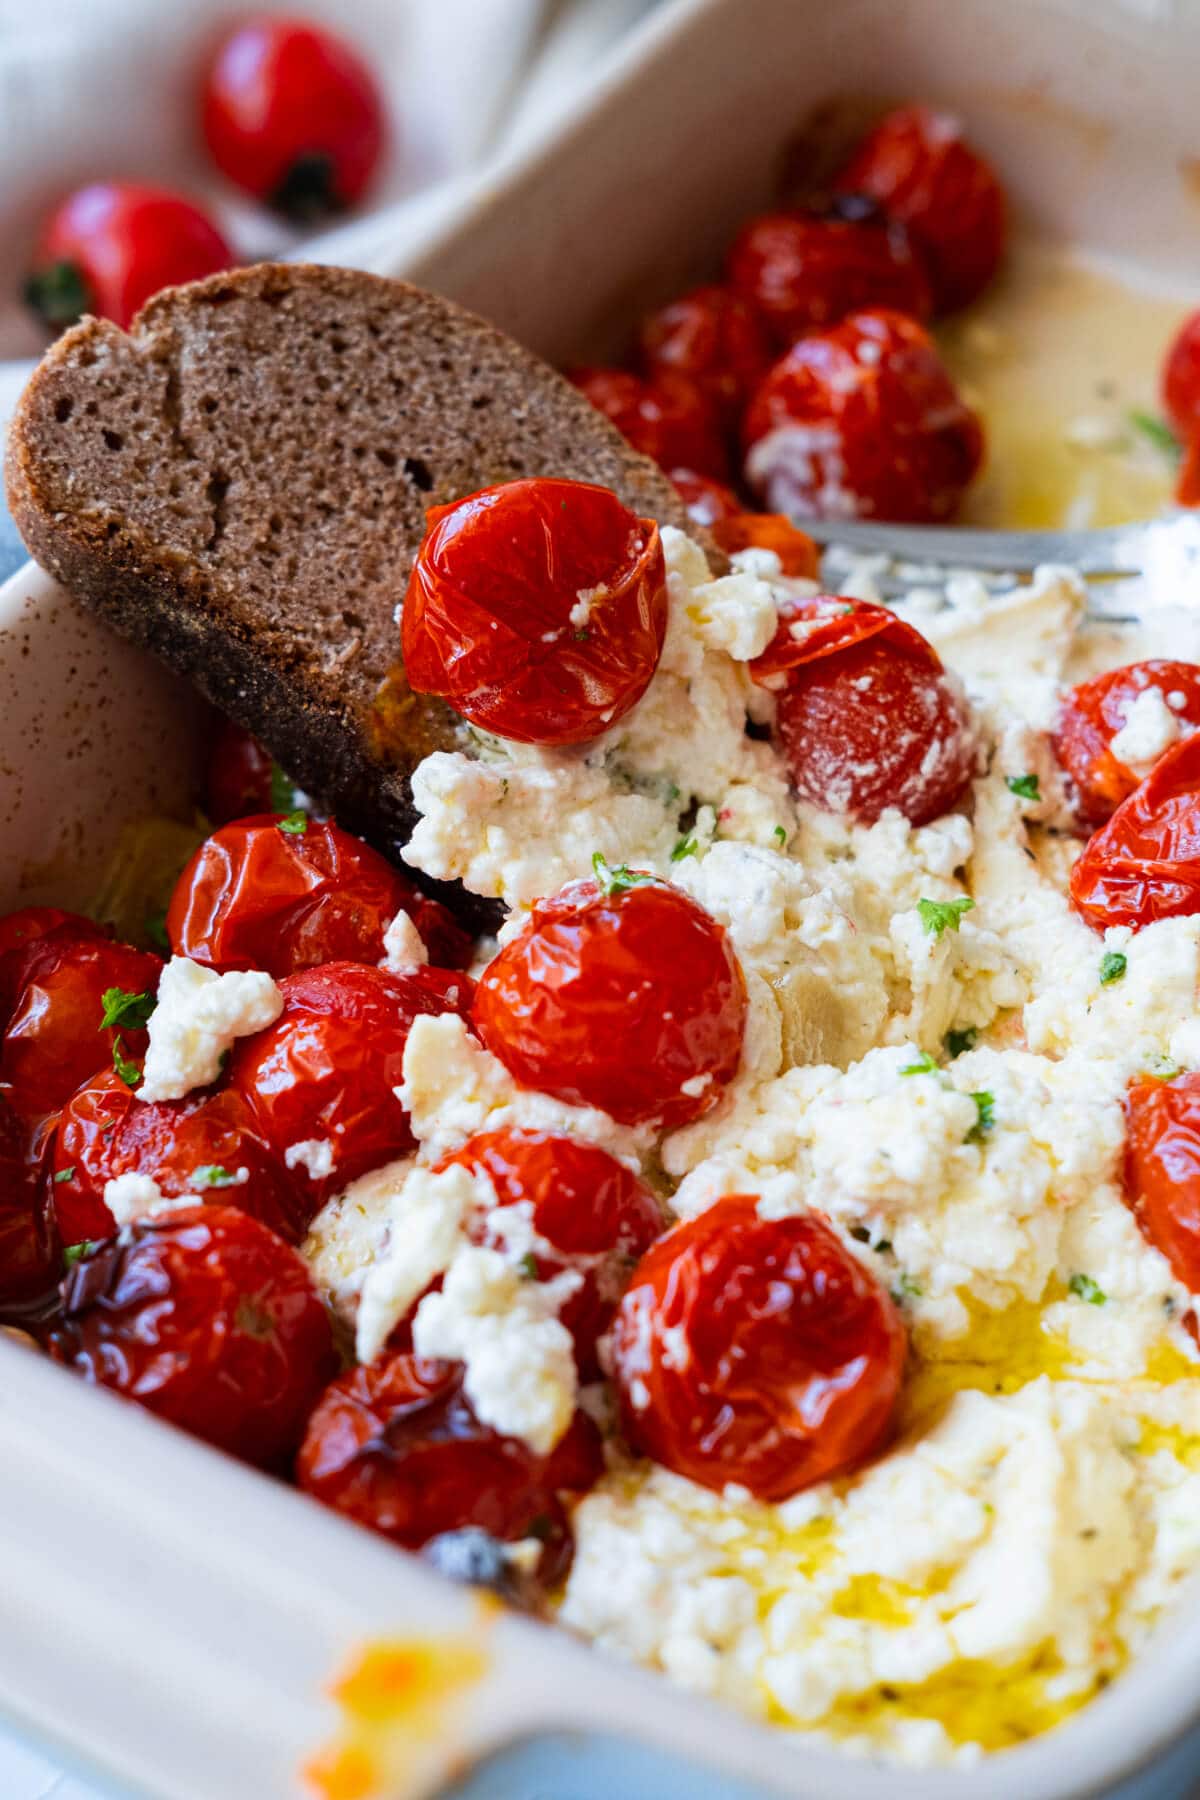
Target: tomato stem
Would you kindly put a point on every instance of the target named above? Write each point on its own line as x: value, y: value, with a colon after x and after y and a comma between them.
x: 59, y: 294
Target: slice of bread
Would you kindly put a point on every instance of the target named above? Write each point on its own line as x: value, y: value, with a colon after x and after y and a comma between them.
x: 240, y: 485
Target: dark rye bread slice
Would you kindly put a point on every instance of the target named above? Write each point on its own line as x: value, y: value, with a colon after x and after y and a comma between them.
x: 240, y: 483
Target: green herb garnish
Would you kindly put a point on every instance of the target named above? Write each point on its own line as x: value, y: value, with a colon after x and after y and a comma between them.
x: 296, y: 824
x: 687, y: 846
x: 985, y: 1111
x: 283, y: 791
x: 528, y: 1266
x: 1157, y: 431
x: 618, y: 880
x: 936, y: 915
x: 76, y: 1252
x: 155, y: 927
x: 128, y: 1071
x: 780, y: 836
x: 66, y: 1174
x: 907, y: 1288
x: 924, y: 1065
x: 1084, y: 1288
x: 125, y: 1010
x: 212, y: 1175
x: 1026, y: 786
x: 1112, y: 967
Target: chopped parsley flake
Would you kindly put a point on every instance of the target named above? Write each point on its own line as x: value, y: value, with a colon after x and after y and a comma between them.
x: 1163, y: 1069
x: 780, y: 836
x: 1025, y: 786
x: 985, y: 1111
x: 125, y: 1010
x: 65, y: 1174
x: 528, y: 1266
x: 1112, y: 967
x: 687, y: 846
x: 1084, y: 1288
x: 936, y: 915
x: 213, y: 1175
x: 283, y: 791
x: 296, y: 824
x: 958, y: 1042
x: 618, y: 880
x: 583, y: 635
x: 907, y: 1288
x: 128, y: 1071
x: 924, y: 1065
x: 76, y: 1252
x: 1157, y: 431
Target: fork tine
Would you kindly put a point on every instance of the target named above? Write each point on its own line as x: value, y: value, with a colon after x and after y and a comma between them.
x: 1113, y: 551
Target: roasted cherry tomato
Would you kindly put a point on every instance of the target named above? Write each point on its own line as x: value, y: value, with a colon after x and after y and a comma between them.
x: 667, y: 418
x: 56, y: 1036
x: 293, y: 116
x: 207, y: 1319
x: 240, y: 777
x: 1162, y: 1169
x: 208, y: 1145
x: 798, y: 555
x: 327, y: 1070
x: 1187, y: 485
x: 30, y: 922
x: 756, y: 1351
x: 537, y: 609
x: 866, y: 713
x: 397, y: 1447
x: 1145, y: 863
x: 713, y: 337
x: 284, y: 893
x: 805, y: 271
x: 622, y: 994
x: 28, y: 1264
x: 919, y: 167
x: 1093, y: 713
x: 706, y: 500
x: 111, y: 245
x: 862, y: 421
x: 593, y: 1212
x: 1181, y: 379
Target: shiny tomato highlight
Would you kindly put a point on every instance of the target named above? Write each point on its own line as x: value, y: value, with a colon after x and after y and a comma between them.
x: 805, y: 271
x: 798, y: 555
x: 1093, y: 713
x: 1162, y: 1169
x: 667, y: 418
x: 28, y: 1253
x: 714, y: 338
x: 1145, y: 863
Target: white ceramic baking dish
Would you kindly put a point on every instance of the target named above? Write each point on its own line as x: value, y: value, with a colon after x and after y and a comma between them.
x: 174, y: 1618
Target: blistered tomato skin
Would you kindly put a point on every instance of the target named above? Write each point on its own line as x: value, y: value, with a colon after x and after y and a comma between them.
x: 20, y: 929
x: 798, y: 555
x: 285, y: 893
x: 1181, y: 380
x: 537, y: 609
x: 208, y: 1145
x: 862, y: 421
x: 706, y: 500
x: 667, y: 418
x: 756, y: 1351
x: 238, y: 775
x: 803, y: 271
x: 865, y: 712
x: 918, y: 166
x: 596, y: 1216
x: 1145, y: 863
x: 716, y: 339
x: 1162, y: 1169
x: 328, y: 1068
x: 28, y: 1253
x: 397, y: 1447
x: 624, y: 997
x: 206, y: 1318
x: 1093, y: 713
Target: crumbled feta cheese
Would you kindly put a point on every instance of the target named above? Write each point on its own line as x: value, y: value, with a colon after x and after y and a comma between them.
x: 403, y: 945
x: 198, y: 1016
x: 1150, y: 727
x: 313, y: 1155
x: 135, y: 1196
x: 425, y: 1230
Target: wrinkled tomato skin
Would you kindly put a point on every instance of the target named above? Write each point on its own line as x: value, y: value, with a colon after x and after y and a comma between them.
x: 920, y: 169
x: 862, y: 421
x: 595, y: 1213
x: 798, y: 555
x: 803, y: 272
x: 706, y: 500
x: 1162, y: 1169
x: 756, y: 1351
x: 53, y: 1042
x: 1093, y: 713
x: 1181, y: 380
x: 397, y: 1447
x: 237, y: 775
x: 257, y: 897
x: 714, y: 338
x: 206, y: 1318
x: 105, y: 1131
x: 616, y: 1001
x: 20, y: 929
x: 491, y: 622
x: 1145, y: 863
x: 328, y: 1067
x: 865, y: 712
x: 28, y: 1251
x: 668, y: 419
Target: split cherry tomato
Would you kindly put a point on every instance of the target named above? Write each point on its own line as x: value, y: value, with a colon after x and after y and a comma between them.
x: 867, y: 715
x: 111, y: 245
x: 862, y: 421
x: 206, y: 1318
x: 293, y: 116
x: 285, y: 893
x: 28, y: 1263
x: 756, y: 1351
x: 397, y: 1447
x: 1181, y: 380
x: 798, y: 555
x: 593, y: 1212
x: 538, y: 609
x: 626, y: 996
x: 668, y: 418
x: 1093, y: 713
x: 1162, y: 1169
x: 239, y: 778
x: 713, y: 337
x: 706, y: 500
x: 207, y: 1145
x: 919, y: 167
x: 55, y: 1038
x: 328, y: 1067
x: 805, y: 271
x: 1145, y: 863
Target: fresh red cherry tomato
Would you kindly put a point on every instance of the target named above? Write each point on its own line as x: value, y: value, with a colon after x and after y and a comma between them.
x: 328, y: 1067
x: 28, y: 1263
x: 805, y: 271
x: 56, y: 1037
x: 1145, y: 863
x: 919, y: 167
x: 668, y: 418
x: 716, y: 339
x: 594, y: 1213
x: 239, y: 777
x: 537, y: 608
x: 1181, y: 379
x: 862, y: 421
x: 293, y: 116
x: 286, y: 892
x: 1187, y: 485
x: 798, y: 555
x: 206, y: 1318
x: 622, y: 994
x: 866, y: 714
x: 111, y: 245
x: 1093, y: 713
x: 706, y: 500
x: 397, y: 1447
x: 208, y: 1145
x: 756, y: 1351
x: 1162, y: 1169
